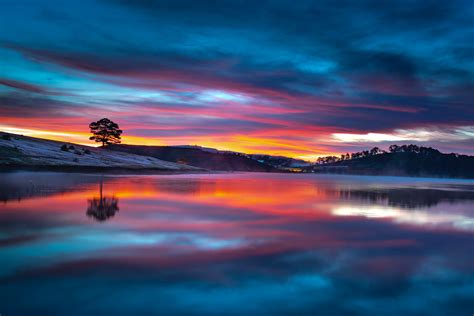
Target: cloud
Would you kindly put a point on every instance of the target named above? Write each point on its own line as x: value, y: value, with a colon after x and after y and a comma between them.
x: 414, y: 135
x: 271, y: 70
x: 22, y: 86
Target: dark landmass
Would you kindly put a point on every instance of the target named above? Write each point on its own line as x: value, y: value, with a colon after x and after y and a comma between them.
x: 403, y: 161
x: 27, y: 153
x: 198, y: 157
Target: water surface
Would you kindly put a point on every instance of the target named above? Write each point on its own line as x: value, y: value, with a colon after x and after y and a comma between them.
x: 235, y: 244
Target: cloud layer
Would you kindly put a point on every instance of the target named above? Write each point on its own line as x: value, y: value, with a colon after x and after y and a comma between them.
x: 282, y: 77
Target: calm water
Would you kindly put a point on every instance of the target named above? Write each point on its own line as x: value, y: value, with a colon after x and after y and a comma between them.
x: 235, y: 244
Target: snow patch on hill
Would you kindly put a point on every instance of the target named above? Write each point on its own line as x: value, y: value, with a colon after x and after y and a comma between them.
x: 29, y: 151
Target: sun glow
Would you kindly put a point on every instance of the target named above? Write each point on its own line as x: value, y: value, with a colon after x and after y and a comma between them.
x: 73, y: 137
x: 298, y: 145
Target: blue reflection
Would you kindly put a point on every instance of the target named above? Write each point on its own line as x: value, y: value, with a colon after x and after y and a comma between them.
x: 237, y: 244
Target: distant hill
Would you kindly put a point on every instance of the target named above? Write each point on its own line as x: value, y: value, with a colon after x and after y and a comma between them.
x: 206, y: 158
x: 280, y: 162
x: 18, y: 151
x: 403, y: 160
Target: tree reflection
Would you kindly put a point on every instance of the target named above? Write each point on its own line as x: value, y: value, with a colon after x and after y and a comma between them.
x: 409, y: 198
x: 103, y: 207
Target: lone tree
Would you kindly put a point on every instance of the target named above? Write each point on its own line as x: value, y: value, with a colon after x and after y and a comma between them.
x: 105, y: 131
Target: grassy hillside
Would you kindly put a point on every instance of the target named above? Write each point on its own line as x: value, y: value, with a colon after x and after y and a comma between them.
x: 198, y: 157
x: 21, y: 151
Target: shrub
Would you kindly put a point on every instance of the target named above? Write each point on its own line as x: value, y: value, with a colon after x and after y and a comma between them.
x: 6, y: 137
x: 64, y: 148
x: 87, y: 151
x: 77, y: 152
x: 71, y: 147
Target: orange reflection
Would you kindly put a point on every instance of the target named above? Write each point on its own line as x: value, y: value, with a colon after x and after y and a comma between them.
x: 201, y: 218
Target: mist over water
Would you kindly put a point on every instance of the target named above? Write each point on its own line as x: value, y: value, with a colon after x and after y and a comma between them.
x: 235, y: 244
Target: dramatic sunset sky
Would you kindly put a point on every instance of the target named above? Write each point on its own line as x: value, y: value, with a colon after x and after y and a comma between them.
x: 298, y: 78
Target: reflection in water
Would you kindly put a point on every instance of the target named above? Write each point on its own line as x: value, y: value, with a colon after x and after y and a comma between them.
x: 409, y: 198
x: 15, y: 186
x: 459, y: 221
x: 103, y: 207
x: 237, y: 244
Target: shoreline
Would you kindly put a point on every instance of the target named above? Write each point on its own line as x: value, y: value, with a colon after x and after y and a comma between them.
x: 157, y: 171
x: 94, y: 169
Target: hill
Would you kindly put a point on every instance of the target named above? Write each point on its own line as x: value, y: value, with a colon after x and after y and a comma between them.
x: 280, y: 162
x: 199, y: 157
x: 18, y: 151
x: 403, y: 160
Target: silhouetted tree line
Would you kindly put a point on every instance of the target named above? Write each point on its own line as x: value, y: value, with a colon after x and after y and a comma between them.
x: 426, y: 151
x: 366, y: 153
x: 409, y: 160
x: 413, y: 149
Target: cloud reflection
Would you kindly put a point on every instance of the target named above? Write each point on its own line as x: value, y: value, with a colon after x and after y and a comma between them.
x: 280, y: 243
x: 409, y: 217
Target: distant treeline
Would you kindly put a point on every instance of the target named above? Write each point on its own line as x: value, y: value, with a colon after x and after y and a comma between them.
x: 377, y: 151
x: 411, y: 160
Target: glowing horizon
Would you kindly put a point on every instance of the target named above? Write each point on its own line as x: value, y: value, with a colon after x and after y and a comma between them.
x: 82, y: 138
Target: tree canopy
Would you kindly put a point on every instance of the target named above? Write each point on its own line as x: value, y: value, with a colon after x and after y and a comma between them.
x: 105, y: 131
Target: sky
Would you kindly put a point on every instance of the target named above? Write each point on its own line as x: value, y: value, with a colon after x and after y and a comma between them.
x: 297, y: 78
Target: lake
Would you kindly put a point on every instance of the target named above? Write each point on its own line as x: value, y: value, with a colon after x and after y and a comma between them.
x: 235, y: 244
